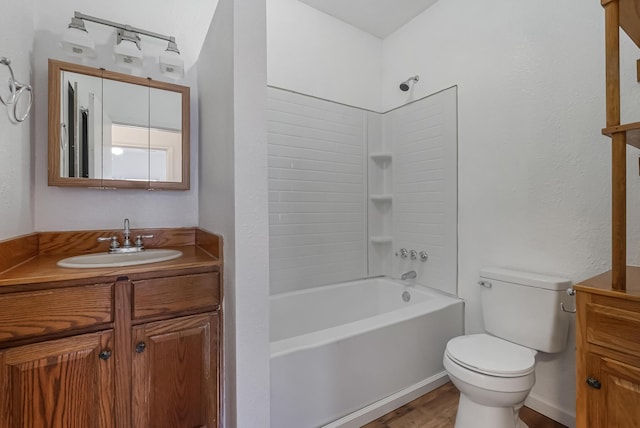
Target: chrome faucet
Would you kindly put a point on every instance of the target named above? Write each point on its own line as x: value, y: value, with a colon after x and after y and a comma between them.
x: 126, y: 247
x: 409, y: 275
x: 126, y: 234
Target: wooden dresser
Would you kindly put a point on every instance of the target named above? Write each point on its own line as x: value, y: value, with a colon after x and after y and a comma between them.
x: 608, y: 353
x: 122, y: 347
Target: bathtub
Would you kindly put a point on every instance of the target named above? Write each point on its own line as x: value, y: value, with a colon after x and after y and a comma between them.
x: 343, y: 355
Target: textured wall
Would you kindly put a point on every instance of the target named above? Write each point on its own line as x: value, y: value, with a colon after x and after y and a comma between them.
x: 16, y: 148
x: 316, y: 54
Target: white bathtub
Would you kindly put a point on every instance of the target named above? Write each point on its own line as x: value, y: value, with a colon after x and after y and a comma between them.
x: 345, y: 354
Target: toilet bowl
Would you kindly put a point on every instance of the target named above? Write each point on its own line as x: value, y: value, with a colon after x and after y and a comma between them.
x: 494, y: 371
x: 493, y: 376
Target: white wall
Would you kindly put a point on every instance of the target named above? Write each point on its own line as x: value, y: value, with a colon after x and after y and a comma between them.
x: 534, y: 169
x: 315, y: 54
x: 233, y: 197
x: 216, y: 191
x: 16, y: 149
x: 58, y: 208
x: 252, y: 224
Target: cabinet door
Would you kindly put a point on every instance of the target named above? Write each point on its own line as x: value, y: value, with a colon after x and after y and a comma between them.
x: 615, y: 401
x: 175, y: 373
x: 65, y: 383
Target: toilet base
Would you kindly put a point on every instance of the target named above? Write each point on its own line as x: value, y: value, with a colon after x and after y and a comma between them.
x: 474, y: 415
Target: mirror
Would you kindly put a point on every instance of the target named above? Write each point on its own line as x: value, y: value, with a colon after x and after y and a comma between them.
x: 112, y: 130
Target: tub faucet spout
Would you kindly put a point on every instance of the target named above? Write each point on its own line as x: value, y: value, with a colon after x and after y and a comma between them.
x: 409, y: 275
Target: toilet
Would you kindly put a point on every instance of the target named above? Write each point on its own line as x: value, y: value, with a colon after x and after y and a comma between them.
x: 495, y: 371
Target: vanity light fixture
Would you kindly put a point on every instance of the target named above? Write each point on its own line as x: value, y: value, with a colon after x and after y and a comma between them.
x: 76, y: 40
x: 127, y: 51
x: 170, y: 61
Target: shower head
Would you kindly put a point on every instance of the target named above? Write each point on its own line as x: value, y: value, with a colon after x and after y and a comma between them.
x: 404, y: 86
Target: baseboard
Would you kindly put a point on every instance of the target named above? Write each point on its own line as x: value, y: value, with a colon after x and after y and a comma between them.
x: 551, y: 411
x: 390, y: 403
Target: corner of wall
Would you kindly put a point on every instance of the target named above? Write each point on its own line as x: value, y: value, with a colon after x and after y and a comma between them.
x: 233, y: 196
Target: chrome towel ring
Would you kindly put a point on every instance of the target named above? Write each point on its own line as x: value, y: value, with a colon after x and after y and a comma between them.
x: 16, y: 92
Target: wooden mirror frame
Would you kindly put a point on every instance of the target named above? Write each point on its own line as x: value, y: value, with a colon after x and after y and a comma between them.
x: 55, y: 68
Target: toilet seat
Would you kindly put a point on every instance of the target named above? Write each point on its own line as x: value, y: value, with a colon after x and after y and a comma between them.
x: 491, y: 356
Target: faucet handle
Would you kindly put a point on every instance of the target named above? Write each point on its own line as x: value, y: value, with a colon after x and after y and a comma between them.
x: 114, y: 241
x: 403, y: 253
x: 139, y: 239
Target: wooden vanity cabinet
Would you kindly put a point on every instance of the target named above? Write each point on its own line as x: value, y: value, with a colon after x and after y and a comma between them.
x: 175, y: 372
x: 608, y: 360
x: 141, y: 352
x: 59, y: 383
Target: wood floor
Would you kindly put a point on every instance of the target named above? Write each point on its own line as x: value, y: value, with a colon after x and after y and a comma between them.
x: 437, y: 409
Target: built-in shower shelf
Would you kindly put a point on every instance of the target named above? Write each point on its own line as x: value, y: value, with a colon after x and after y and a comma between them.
x: 381, y: 197
x: 380, y: 239
x: 381, y: 156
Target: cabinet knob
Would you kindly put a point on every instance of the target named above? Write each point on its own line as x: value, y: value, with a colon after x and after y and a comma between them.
x: 105, y: 354
x: 140, y: 347
x: 594, y: 383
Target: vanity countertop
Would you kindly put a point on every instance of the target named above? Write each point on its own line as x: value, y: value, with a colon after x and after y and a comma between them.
x: 42, y: 269
x: 32, y: 265
x: 601, y: 284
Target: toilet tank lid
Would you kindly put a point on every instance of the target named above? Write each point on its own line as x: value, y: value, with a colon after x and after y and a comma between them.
x: 526, y: 278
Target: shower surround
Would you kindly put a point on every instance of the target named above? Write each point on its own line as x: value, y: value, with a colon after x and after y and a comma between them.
x: 349, y: 188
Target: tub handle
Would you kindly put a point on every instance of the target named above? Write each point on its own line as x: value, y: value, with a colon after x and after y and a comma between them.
x: 485, y: 284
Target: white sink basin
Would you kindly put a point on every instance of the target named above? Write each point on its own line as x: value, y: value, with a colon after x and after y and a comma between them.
x: 101, y: 260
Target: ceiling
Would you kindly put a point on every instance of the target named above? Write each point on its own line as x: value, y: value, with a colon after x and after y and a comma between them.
x: 377, y: 17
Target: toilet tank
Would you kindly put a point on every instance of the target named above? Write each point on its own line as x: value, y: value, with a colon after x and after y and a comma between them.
x: 524, y: 308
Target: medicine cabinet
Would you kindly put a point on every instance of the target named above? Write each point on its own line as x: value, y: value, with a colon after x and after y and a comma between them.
x: 113, y: 130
